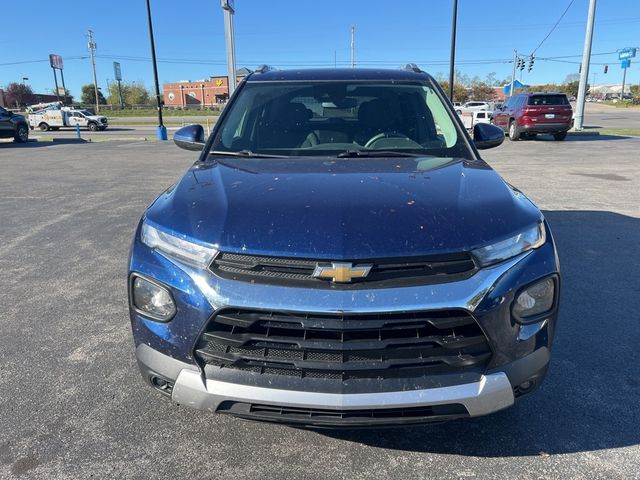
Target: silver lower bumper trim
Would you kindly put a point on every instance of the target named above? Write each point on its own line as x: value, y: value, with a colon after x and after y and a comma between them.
x: 493, y: 392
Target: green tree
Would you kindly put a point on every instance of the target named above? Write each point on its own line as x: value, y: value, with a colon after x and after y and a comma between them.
x: 460, y: 93
x: 635, y: 90
x: 571, y: 88
x: 482, y: 91
x: 88, y: 96
x: 133, y: 93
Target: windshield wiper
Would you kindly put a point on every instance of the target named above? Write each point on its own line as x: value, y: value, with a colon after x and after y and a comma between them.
x: 376, y: 153
x: 245, y: 154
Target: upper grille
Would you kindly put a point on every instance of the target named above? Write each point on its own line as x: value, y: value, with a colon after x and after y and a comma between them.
x: 344, y: 346
x: 384, y: 272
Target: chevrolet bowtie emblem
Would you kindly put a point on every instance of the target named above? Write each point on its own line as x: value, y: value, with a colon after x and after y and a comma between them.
x: 341, y: 272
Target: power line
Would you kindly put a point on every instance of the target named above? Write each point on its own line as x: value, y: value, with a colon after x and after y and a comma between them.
x: 553, y: 28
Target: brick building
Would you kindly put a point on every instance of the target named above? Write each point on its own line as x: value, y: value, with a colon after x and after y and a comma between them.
x: 200, y: 93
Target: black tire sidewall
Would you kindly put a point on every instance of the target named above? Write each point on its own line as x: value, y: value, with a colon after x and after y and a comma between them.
x: 18, y: 138
x: 559, y: 136
x: 516, y: 134
x: 93, y: 126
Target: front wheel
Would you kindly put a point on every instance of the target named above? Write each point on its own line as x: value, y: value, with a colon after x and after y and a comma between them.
x: 44, y: 127
x: 93, y: 126
x: 514, y: 134
x: 22, y: 134
x: 560, y: 136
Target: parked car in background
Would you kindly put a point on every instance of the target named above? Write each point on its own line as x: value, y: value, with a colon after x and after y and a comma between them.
x: 527, y: 114
x: 13, y: 126
x: 473, y: 106
x: 469, y: 119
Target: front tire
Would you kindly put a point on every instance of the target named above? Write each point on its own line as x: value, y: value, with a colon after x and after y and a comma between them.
x: 43, y: 127
x: 559, y: 136
x: 22, y: 134
x: 514, y: 134
x: 93, y: 126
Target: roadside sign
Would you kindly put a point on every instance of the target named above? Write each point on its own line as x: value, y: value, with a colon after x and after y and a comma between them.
x: 116, y: 71
x: 55, y: 61
x: 626, y: 53
x: 625, y: 63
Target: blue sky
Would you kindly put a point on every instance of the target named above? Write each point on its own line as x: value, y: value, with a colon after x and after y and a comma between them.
x: 289, y: 33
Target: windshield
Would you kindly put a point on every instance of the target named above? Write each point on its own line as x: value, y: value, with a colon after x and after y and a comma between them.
x: 86, y: 113
x: 338, y: 117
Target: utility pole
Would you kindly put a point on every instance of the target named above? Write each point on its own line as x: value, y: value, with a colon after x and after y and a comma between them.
x: 353, y: 46
x: 162, y: 130
x: 584, y: 74
x: 92, y: 48
x: 452, y: 57
x: 513, y: 72
x: 229, y: 11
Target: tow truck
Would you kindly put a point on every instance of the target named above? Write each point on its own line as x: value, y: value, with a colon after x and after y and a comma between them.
x: 54, y: 115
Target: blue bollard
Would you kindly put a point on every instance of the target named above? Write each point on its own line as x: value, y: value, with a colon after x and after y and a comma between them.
x: 162, y: 132
x: 78, y: 131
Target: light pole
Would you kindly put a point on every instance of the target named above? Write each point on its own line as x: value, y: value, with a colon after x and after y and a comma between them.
x: 24, y: 79
x: 452, y: 58
x: 162, y: 130
x: 584, y: 74
x: 229, y: 11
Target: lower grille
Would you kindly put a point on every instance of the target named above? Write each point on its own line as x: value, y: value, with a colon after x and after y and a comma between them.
x: 344, y: 346
x: 317, y: 416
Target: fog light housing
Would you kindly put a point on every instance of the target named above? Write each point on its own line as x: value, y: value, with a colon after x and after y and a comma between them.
x: 535, y: 299
x: 152, y: 299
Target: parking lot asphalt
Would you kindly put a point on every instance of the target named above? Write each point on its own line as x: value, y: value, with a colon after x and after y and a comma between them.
x: 73, y: 405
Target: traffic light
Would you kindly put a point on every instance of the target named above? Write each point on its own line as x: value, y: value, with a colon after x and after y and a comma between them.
x: 606, y: 68
x: 521, y: 63
x: 531, y: 60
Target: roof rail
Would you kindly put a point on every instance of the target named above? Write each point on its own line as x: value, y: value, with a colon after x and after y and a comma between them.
x: 264, y: 69
x: 412, y: 67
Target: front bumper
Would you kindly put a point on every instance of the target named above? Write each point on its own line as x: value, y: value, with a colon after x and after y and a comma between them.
x: 517, y: 367
x: 494, y: 391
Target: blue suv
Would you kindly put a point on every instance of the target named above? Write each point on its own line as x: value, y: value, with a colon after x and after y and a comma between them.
x: 340, y: 255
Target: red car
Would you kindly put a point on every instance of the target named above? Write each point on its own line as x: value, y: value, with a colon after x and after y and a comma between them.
x: 527, y: 114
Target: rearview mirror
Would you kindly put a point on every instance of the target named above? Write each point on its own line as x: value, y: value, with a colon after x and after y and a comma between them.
x: 486, y: 136
x: 190, y: 137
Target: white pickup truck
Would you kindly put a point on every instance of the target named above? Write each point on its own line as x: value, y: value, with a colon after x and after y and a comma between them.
x: 469, y: 119
x: 53, y: 116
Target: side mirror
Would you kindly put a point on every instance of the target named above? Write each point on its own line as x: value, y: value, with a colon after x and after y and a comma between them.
x: 486, y: 136
x: 190, y: 137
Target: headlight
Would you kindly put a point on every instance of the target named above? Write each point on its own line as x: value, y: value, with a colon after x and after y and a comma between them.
x: 528, y: 240
x: 182, y: 250
x: 535, y: 299
x: 152, y: 299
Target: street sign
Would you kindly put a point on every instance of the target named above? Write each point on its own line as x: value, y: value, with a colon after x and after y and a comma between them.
x: 626, y: 53
x: 117, y: 71
x: 625, y: 63
x: 55, y: 61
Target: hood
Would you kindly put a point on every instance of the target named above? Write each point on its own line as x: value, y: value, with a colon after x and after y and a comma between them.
x: 347, y: 209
